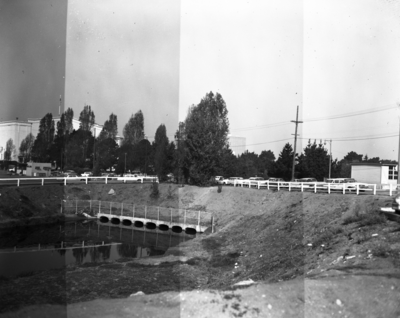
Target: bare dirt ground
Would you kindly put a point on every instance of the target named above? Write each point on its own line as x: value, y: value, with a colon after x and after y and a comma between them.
x: 310, y: 255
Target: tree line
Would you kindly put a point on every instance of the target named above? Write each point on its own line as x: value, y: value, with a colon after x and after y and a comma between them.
x: 200, y: 150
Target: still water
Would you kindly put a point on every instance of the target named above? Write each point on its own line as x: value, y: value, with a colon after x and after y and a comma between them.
x: 28, y: 249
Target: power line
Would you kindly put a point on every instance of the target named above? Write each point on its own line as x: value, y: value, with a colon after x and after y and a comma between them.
x: 352, y: 114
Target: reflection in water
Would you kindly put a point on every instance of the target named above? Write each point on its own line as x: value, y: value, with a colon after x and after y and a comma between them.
x: 76, y: 243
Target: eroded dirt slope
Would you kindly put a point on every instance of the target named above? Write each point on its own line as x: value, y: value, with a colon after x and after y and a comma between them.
x: 319, y: 243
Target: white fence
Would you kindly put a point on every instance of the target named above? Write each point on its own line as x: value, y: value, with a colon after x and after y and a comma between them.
x: 65, y: 180
x: 321, y: 187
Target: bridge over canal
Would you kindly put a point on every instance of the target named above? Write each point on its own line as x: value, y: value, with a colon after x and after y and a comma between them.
x: 151, y: 217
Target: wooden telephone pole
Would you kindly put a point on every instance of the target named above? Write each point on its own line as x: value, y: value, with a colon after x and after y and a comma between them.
x: 295, y: 140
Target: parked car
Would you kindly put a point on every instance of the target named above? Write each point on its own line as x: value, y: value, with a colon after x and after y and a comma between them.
x: 348, y: 183
x: 219, y: 179
x: 256, y: 178
x: 87, y: 174
x: 306, y: 180
x: 231, y: 180
x: 275, y: 180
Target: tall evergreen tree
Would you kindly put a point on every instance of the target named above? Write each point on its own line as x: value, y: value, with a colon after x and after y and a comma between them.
x: 206, y: 137
x: 44, y: 139
x: 283, y: 166
x: 86, y: 118
x: 9, y: 153
x: 161, y: 147
x: 314, y: 162
x: 134, y: 129
x: 26, y: 146
x: 110, y: 128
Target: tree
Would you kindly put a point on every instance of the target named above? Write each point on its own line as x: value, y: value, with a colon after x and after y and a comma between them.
x: 76, y: 154
x: 110, y: 128
x: 44, y: 139
x: 64, y: 129
x: 206, y: 137
x: 314, y: 162
x: 353, y: 157
x: 265, y: 163
x: 161, y: 147
x: 10, y: 150
x: 283, y: 166
x: 86, y: 118
x: 26, y: 146
x: 134, y: 129
x: 106, y: 153
x: 247, y: 164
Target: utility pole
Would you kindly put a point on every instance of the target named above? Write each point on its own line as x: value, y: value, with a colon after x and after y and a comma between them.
x: 295, y: 140
x: 330, y: 156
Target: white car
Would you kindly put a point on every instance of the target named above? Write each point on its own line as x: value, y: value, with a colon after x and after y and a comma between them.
x: 231, y: 180
x: 87, y: 174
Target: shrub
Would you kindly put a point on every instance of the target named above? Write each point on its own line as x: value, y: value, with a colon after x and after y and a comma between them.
x: 155, y: 192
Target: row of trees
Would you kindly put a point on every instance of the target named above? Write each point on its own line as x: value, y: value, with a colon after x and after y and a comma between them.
x: 200, y: 151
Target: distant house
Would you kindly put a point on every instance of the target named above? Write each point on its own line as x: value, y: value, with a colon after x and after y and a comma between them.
x: 38, y: 169
x: 378, y: 173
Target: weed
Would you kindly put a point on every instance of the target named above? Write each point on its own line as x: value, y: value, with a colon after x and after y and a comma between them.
x: 155, y: 192
x: 364, y: 219
x: 381, y: 250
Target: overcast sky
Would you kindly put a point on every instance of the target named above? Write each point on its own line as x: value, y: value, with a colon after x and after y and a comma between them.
x: 330, y: 58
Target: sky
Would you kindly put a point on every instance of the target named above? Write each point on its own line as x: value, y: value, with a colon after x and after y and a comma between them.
x: 336, y: 60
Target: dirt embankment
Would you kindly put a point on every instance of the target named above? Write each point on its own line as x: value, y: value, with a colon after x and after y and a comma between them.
x: 309, y: 253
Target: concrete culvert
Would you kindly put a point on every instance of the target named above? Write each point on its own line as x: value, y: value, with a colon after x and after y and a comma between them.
x: 190, y: 230
x: 176, y: 229
x: 163, y: 227
x: 127, y: 222
x: 150, y: 225
x: 138, y: 224
x: 104, y: 219
x: 115, y: 221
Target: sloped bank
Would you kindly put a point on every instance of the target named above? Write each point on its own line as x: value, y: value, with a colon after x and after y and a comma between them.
x: 268, y: 237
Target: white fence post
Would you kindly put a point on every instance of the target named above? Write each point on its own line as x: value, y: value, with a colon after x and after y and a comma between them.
x: 315, y: 187
x: 18, y: 182
x: 301, y: 186
x: 86, y: 179
x: 329, y: 188
x: 357, y: 188
x: 268, y: 184
x: 43, y: 182
x: 344, y: 188
x: 290, y: 184
x: 278, y: 185
x: 374, y: 189
x: 65, y: 181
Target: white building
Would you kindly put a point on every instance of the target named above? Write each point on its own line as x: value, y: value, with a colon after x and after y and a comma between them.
x: 237, y: 144
x: 17, y: 130
x: 374, y: 173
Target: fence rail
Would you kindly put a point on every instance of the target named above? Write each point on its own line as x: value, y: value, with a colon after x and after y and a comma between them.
x: 65, y: 180
x: 322, y: 187
x: 168, y: 215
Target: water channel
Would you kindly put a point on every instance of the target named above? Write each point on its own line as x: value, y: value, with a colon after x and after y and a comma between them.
x: 24, y: 250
